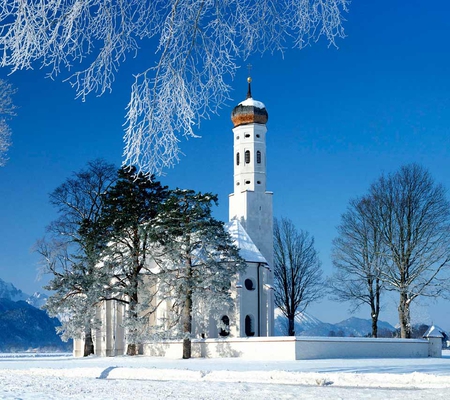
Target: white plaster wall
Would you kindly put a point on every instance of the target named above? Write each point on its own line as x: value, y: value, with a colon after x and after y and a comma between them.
x: 294, y: 348
x: 254, y: 211
x: 317, y: 348
x: 252, y: 172
x: 249, y: 299
x: 78, y: 347
x: 435, y: 347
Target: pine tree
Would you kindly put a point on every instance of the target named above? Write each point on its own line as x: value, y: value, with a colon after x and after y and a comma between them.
x: 200, y: 262
x: 131, y: 207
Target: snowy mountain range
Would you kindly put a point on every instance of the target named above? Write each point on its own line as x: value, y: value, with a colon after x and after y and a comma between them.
x: 23, y: 325
x: 10, y: 292
x: 307, y: 325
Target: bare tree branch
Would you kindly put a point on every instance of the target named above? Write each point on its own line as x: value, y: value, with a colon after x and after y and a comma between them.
x: 358, y: 258
x: 198, y: 45
x: 7, y: 110
x: 414, y: 218
x: 297, y: 270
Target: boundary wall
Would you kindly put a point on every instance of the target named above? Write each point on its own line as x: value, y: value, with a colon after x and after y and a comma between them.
x: 297, y: 348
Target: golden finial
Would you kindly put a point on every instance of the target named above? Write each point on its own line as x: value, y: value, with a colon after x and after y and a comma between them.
x: 249, y: 80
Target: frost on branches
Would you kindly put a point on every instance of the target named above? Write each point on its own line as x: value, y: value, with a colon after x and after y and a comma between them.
x: 6, y: 110
x: 197, y: 45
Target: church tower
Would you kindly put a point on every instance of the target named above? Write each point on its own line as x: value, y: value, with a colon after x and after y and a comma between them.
x: 250, y: 203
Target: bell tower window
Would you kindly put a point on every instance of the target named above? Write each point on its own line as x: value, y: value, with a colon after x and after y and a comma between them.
x: 247, y: 156
x: 249, y: 326
x: 237, y: 158
x: 258, y: 157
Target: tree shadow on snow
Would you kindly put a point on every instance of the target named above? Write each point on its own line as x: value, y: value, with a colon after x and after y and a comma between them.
x: 105, y: 373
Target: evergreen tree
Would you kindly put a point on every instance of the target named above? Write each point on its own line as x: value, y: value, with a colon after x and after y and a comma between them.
x: 200, y: 262
x: 131, y: 207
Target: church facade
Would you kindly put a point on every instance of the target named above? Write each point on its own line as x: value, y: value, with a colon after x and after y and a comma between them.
x: 251, y: 227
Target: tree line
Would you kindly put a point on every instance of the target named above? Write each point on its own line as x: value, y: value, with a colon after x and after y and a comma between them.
x: 395, y: 238
x: 123, y: 236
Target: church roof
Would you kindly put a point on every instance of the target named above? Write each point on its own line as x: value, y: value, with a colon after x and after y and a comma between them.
x: 434, y: 332
x: 247, y: 249
x: 249, y: 111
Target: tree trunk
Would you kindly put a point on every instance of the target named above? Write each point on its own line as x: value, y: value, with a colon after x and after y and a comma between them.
x: 374, y: 325
x: 291, y: 328
x: 187, y: 326
x: 187, y: 348
x: 88, y: 343
x: 132, y: 348
x: 404, y: 316
x: 374, y: 306
x: 187, y: 312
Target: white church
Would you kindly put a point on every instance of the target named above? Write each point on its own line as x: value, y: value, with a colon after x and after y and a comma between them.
x: 251, y: 227
x: 251, y: 324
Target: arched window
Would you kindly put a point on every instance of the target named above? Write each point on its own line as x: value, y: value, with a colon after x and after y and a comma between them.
x: 226, y: 321
x: 247, y: 156
x: 237, y: 158
x: 248, y: 326
x: 249, y: 284
x: 258, y: 157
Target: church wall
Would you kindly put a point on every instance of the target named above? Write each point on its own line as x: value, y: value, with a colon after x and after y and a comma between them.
x: 295, y: 348
x: 254, y: 212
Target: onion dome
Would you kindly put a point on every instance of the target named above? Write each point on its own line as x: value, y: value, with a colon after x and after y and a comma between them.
x: 249, y: 111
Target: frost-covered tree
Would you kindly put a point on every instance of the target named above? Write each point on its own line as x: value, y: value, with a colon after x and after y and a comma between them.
x: 358, y: 256
x: 192, y: 47
x: 73, y: 248
x: 200, y: 263
x: 297, y: 270
x: 7, y: 110
x: 413, y: 216
x: 130, y: 209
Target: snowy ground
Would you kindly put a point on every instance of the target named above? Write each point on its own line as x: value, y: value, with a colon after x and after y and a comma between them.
x: 64, y: 377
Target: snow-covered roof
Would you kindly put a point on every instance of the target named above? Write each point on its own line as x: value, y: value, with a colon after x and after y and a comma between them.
x: 247, y: 249
x: 434, y: 332
x: 252, y: 103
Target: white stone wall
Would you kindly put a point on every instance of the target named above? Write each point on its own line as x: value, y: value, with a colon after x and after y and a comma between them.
x: 254, y: 211
x: 250, y: 175
x: 294, y: 348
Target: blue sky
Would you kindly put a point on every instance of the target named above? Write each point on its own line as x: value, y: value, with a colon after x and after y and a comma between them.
x: 338, y: 118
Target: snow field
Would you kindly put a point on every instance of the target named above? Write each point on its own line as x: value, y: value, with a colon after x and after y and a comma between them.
x: 122, y: 378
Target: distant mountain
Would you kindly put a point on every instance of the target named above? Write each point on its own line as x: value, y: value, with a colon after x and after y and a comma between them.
x: 361, y: 327
x: 23, y: 325
x: 37, y: 299
x: 307, y: 325
x: 10, y: 292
